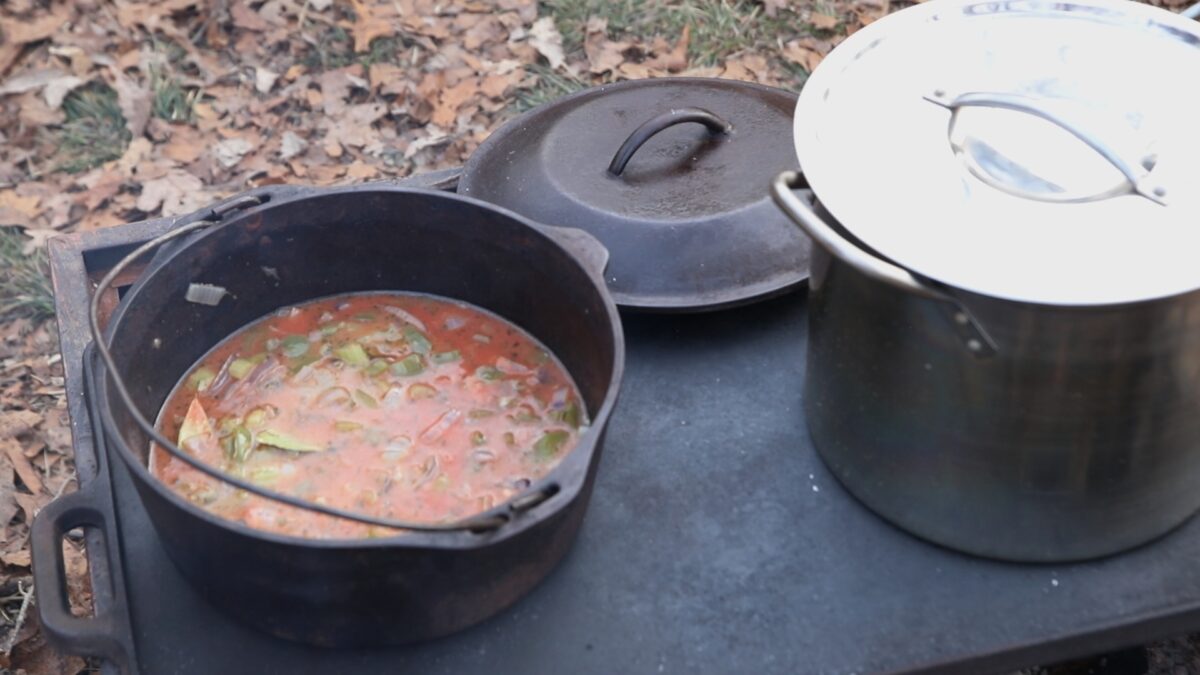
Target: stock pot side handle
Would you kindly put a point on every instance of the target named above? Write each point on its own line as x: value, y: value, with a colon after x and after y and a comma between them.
x: 801, y: 211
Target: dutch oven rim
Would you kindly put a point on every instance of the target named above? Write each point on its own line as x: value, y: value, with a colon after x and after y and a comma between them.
x: 449, y: 540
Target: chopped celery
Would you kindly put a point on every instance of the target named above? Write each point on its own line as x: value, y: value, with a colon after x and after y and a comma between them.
x: 446, y: 357
x: 568, y: 415
x: 488, y: 373
x: 200, y: 379
x: 421, y: 391
x: 264, y: 475
x: 243, y: 443
x: 283, y: 441
x: 412, y: 364
x: 417, y: 340
x: 240, y: 368
x: 353, y: 354
x: 294, y: 346
x: 550, y: 443
x: 376, y: 366
x: 365, y: 399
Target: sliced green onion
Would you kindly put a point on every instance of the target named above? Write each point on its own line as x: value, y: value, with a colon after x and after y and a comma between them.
x: 365, y: 317
x: 477, y: 438
x: 376, y: 366
x: 346, y: 425
x: 480, y: 413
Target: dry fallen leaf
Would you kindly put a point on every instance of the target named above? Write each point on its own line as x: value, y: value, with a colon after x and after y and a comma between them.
x: 19, y: 462
x: 134, y: 100
x: 771, y: 7
x: 245, y: 17
x: 806, y: 52
x: 603, y: 54
x: 368, y: 25
x: 291, y: 145
x: 546, y: 39
x: 38, y: 237
x: 230, y: 151
x: 823, y: 21
x: 58, y: 89
x: 264, y: 80
x: 451, y: 99
x: 175, y: 193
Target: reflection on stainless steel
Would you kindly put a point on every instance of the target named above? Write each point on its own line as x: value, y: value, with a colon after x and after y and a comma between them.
x: 1079, y: 437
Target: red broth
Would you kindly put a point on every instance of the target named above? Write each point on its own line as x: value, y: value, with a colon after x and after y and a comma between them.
x: 391, y: 404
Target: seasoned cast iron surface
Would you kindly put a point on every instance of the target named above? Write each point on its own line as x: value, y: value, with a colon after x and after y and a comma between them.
x: 717, y: 542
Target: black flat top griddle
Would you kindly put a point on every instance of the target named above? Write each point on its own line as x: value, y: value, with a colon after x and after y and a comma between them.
x: 715, y: 542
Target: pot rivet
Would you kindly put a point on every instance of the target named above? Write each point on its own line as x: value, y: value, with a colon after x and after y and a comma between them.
x: 961, y: 318
x: 1160, y: 191
x: 974, y: 345
x: 156, y: 342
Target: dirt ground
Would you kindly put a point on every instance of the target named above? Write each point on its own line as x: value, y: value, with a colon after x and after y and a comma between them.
x: 113, y: 111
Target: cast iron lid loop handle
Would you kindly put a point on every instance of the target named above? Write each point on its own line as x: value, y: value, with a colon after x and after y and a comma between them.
x: 1137, y: 171
x: 715, y: 124
x: 976, y: 339
x: 477, y: 524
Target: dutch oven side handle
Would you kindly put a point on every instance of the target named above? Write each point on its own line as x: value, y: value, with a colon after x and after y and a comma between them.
x: 89, y: 636
x: 668, y: 119
x: 801, y: 212
x: 583, y: 246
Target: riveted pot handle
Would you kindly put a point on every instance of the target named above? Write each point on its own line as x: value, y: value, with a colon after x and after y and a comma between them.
x: 97, y: 636
x: 666, y: 120
x: 801, y: 212
x: 586, y: 248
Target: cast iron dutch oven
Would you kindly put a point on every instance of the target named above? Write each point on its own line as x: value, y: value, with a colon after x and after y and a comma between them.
x: 417, y: 585
x: 1005, y: 299
x: 668, y: 174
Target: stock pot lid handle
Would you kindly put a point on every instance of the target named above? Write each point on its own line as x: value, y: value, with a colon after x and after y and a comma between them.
x: 1031, y: 151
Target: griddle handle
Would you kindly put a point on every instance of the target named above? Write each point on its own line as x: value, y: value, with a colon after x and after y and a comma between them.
x: 668, y: 119
x: 96, y: 636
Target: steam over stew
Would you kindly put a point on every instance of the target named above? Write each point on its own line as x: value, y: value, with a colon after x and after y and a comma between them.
x: 396, y: 405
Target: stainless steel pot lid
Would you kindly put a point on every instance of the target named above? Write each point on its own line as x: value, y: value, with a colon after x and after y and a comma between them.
x: 1035, y: 151
x: 670, y: 174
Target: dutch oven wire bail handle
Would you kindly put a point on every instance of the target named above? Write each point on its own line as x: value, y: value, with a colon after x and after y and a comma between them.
x: 713, y: 122
x: 486, y: 522
x: 801, y: 211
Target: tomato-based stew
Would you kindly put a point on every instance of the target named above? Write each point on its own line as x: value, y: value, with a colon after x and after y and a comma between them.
x: 395, y: 405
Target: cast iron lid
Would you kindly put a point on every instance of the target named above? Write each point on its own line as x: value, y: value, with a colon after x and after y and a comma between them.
x: 1043, y: 152
x: 682, y: 205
